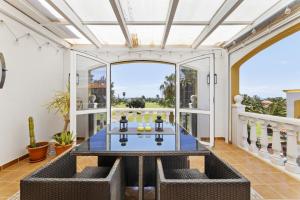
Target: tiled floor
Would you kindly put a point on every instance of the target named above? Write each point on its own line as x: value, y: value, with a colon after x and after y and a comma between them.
x: 269, y: 182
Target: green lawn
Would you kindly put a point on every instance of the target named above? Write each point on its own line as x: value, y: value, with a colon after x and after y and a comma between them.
x: 147, y: 105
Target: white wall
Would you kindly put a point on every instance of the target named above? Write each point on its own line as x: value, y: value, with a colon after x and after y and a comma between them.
x: 33, y: 77
x: 291, y: 98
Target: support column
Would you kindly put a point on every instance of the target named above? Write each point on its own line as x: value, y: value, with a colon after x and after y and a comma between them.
x: 264, y: 140
x: 292, y: 150
x: 276, y: 157
x: 253, y: 137
x: 236, y: 109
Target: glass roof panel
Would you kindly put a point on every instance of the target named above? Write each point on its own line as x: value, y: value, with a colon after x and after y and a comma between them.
x: 148, y: 34
x: 197, y: 10
x: 93, y: 10
x: 250, y: 10
x: 79, y: 39
x: 223, y: 33
x: 145, y: 10
x: 108, y: 34
x: 183, y: 34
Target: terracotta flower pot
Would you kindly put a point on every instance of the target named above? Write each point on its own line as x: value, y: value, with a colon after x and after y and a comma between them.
x: 59, y: 149
x: 39, y: 152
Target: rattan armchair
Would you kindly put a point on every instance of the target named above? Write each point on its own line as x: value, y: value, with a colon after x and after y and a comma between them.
x: 58, y: 180
x: 219, y: 182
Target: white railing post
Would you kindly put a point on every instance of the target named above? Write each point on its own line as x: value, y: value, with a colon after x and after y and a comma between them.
x: 244, y: 131
x: 292, y: 150
x: 264, y: 140
x: 253, y: 136
x: 236, y: 109
x: 167, y: 116
x: 276, y: 145
x: 150, y: 117
x: 143, y: 116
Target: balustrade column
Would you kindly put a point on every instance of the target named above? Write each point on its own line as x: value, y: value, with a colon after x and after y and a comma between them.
x: 243, y: 130
x: 292, y: 150
x: 276, y: 157
x: 150, y: 116
x: 117, y: 116
x: 143, y: 116
x: 253, y: 137
x: 263, y: 152
x: 167, y: 116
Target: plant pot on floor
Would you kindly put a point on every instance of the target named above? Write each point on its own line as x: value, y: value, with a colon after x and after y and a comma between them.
x: 59, y: 149
x: 39, y: 152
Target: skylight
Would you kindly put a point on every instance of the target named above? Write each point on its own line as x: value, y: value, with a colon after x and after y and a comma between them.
x: 93, y: 10
x: 147, y: 35
x: 108, y: 34
x: 80, y: 40
x: 46, y: 5
x: 145, y: 10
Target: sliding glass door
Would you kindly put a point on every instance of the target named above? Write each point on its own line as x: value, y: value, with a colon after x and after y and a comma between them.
x: 195, y: 97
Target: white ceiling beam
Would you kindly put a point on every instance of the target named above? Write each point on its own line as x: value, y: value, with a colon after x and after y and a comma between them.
x: 170, y: 17
x: 182, y: 23
x: 23, y: 19
x: 223, y: 12
x: 32, y: 12
x: 116, y: 6
x: 275, y: 9
x: 62, y: 8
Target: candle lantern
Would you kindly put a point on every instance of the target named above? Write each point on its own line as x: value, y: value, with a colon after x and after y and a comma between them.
x: 123, y: 124
x: 159, y: 139
x: 123, y: 139
x: 159, y: 124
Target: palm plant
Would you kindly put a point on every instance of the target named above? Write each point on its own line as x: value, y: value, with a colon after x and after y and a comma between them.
x: 61, y: 104
x: 168, y: 91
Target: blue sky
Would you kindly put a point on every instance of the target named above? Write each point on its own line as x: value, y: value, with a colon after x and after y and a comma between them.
x: 137, y: 79
x: 273, y: 69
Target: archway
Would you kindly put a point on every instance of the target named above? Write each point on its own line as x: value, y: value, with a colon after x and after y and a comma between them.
x: 235, y: 68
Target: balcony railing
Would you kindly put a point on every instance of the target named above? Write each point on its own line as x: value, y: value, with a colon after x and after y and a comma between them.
x: 143, y: 115
x: 274, y: 139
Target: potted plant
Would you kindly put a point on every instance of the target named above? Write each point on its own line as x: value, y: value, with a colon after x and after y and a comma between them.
x: 64, y: 141
x: 37, y: 151
x: 61, y: 104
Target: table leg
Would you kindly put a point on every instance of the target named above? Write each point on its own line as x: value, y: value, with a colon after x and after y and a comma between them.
x: 141, y: 177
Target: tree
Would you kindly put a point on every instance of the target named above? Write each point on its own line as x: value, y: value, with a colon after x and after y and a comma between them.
x: 124, y: 94
x: 113, y: 98
x: 168, y: 91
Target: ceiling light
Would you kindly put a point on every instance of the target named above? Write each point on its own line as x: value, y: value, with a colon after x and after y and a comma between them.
x: 46, y: 5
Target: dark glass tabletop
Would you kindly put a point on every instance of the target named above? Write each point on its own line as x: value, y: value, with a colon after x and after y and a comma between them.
x: 173, y: 140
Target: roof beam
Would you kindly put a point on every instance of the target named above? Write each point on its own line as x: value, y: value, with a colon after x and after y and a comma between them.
x: 181, y: 23
x: 224, y: 11
x: 23, y: 19
x: 116, y: 6
x: 62, y: 8
x: 171, y: 13
x: 32, y: 12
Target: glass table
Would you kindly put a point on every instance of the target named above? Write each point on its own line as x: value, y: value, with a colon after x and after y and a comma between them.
x: 172, y: 141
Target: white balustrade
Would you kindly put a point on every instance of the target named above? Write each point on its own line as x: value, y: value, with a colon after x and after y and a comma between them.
x: 261, y: 122
x: 133, y: 113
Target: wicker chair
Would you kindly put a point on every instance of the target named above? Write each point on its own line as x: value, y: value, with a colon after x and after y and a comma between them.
x: 219, y: 182
x: 131, y: 167
x: 58, y: 180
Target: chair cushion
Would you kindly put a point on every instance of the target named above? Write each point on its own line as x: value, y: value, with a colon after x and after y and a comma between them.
x: 93, y: 172
x: 184, y: 174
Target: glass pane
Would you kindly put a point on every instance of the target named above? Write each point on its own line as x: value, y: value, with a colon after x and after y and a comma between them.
x: 78, y: 39
x: 147, y: 34
x: 91, y: 83
x: 145, y: 10
x: 183, y: 35
x: 196, y: 124
x: 90, y: 124
x: 194, y: 88
x: 93, y: 10
x: 222, y: 34
x: 250, y: 10
x: 197, y: 10
x: 108, y: 34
